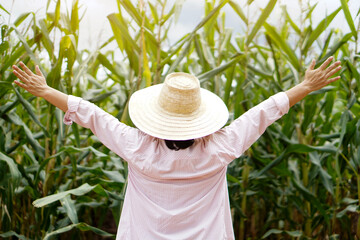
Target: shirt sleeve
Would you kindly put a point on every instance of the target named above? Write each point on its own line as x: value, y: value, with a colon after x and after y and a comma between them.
x: 236, y: 138
x: 115, y: 135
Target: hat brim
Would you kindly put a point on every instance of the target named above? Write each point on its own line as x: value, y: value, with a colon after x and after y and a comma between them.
x: 147, y: 116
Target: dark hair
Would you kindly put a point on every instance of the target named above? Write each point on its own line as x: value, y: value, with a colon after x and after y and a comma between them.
x: 177, y: 145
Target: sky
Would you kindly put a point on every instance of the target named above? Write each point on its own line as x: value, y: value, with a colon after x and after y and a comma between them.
x: 95, y: 28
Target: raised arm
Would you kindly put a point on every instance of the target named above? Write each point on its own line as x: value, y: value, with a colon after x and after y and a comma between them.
x: 315, y: 79
x: 35, y: 83
x: 234, y: 139
x: 117, y: 136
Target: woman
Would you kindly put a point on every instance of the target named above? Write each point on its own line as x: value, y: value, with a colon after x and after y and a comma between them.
x: 178, y: 154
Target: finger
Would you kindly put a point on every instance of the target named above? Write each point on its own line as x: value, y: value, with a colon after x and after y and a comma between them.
x: 312, y: 65
x: 332, y: 72
x: 21, y: 72
x: 333, y: 66
x: 20, y: 76
x: 20, y: 84
x: 38, y: 71
x: 26, y: 69
x: 333, y: 79
x: 326, y: 63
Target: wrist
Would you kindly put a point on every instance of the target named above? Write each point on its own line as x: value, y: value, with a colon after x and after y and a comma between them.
x: 45, y: 91
x: 305, y: 87
x: 55, y: 97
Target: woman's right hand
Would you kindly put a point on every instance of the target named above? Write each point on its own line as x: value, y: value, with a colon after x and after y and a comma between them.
x: 31, y: 82
x: 317, y: 78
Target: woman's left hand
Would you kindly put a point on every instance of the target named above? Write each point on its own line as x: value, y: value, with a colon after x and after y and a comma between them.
x: 35, y: 83
x: 31, y: 82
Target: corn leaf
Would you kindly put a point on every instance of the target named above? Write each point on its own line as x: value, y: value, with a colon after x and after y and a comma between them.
x: 80, y: 226
x: 14, y: 171
x: 310, y: 196
x: 2, y: 8
x: 212, y: 14
x: 102, y: 97
x: 28, y: 108
x: 132, y: 10
x: 74, y: 17
x: 184, y: 52
x: 106, y: 63
x: 30, y: 136
x: 350, y: 208
x: 271, y: 231
x: 270, y: 165
x: 282, y: 232
x: 68, y: 49
x: 48, y: 44
x: 129, y: 44
x: 13, y: 234
x: 238, y: 10
x: 4, y: 85
x: 326, y: 45
x: 27, y: 48
x: 21, y: 18
x: 145, y: 62
x: 189, y: 40
x: 281, y: 44
x: 115, y: 176
x: 82, y: 190
x: 261, y: 20
x: 319, y: 29
x: 154, y: 13
x: 212, y: 73
x: 57, y: 13
x: 334, y: 49
x: 71, y: 149
x: 116, y: 30
x: 348, y: 17
x: 227, y: 88
x: 13, y: 59
x: 70, y: 208
x: 292, y: 23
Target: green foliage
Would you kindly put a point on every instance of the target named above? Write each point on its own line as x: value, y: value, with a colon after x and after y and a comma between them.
x: 300, y: 180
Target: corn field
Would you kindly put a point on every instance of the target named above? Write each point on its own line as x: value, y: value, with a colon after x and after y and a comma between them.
x: 300, y: 180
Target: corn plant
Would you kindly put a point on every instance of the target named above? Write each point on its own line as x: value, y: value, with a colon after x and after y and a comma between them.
x: 41, y: 156
x: 300, y: 180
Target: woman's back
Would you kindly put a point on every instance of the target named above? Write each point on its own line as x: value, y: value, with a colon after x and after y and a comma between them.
x: 176, y: 194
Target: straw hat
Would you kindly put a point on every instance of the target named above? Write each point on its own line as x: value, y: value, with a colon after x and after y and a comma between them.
x: 178, y: 109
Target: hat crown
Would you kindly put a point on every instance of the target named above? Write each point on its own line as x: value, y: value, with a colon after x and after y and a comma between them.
x: 180, y: 94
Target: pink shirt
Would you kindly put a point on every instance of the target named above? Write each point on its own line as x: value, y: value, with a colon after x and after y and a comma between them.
x: 176, y: 194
